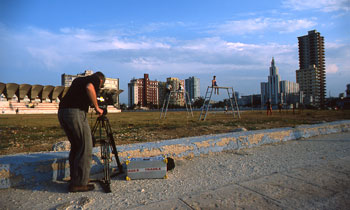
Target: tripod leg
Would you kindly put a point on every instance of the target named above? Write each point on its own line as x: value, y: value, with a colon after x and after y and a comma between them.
x: 113, y: 146
x: 93, y: 131
x: 107, y: 143
x: 115, y: 152
x: 107, y: 178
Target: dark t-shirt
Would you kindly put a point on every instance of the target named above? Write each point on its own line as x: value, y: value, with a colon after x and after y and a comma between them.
x: 77, y: 96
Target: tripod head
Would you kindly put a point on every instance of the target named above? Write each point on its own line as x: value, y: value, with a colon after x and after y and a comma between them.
x: 103, y: 117
x: 102, y: 104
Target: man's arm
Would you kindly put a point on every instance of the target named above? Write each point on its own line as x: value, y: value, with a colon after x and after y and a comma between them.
x: 93, y: 98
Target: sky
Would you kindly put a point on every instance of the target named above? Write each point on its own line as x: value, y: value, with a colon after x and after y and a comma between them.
x: 234, y: 40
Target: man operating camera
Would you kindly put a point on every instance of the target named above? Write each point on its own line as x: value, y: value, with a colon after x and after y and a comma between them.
x: 72, y: 115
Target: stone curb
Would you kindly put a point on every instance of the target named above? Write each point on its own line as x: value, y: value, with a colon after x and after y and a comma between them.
x: 29, y: 169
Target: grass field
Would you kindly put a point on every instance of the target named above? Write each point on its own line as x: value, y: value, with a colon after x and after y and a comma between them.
x: 34, y: 133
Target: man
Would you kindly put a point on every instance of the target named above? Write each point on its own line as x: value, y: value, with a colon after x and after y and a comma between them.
x: 268, y: 107
x: 168, y: 88
x: 72, y: 115
x: 280, y: 106
x: 214, y: 85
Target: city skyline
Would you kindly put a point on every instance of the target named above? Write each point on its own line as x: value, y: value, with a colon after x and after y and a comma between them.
x: 235, y: 41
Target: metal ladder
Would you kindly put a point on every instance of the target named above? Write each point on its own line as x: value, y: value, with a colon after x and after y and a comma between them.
x: 206, y: 102
x: 231, y: 95
x: 167, y: 100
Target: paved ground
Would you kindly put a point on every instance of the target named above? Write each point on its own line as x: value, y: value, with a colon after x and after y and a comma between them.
x: 311, y: 173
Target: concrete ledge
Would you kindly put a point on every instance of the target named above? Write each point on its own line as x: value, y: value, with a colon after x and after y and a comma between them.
x: 28, y: 169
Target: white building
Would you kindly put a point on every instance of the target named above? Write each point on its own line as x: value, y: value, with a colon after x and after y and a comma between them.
x: 278, y: 91
x: 111, y: 84
x: 273, y: 83
x: 290, y: 92
x: 192, y: 86
x: 271, y: 89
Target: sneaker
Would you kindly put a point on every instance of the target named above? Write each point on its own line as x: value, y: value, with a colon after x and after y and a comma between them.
x: 82, y: 188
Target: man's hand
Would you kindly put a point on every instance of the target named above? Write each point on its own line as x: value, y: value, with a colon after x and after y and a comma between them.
x: 92, y: 95
x: 99, y: 111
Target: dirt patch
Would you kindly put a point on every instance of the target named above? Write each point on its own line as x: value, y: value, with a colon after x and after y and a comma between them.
x: 36, y: 133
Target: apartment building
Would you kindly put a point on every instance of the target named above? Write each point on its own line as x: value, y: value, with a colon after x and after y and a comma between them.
x: 143, y: 92
x: 311, y: 74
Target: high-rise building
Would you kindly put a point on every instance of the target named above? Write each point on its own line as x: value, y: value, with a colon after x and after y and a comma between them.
x: 273, y: 83
x: 143, y: 92
x: 271, y: 89
x: 192, y: 87
x: 311, y: 75
x: 290, y: 92
x: 347, y: 91
x: 277, y: 91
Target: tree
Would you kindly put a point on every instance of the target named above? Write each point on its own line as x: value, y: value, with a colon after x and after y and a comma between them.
x: 123, y: 106
x: 198, y: 103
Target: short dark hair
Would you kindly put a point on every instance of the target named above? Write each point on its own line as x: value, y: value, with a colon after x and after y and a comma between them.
x: 101, y: 76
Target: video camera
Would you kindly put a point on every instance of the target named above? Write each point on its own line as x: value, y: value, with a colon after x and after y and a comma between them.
x: 107, y: 97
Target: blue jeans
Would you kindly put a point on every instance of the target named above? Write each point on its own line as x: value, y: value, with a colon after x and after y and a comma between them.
x: 75, y: 124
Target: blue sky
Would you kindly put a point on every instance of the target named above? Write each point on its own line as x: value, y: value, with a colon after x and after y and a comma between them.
x: 234, y: 40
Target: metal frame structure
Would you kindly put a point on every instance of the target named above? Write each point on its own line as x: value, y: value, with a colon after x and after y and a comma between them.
x: 167, y: 99
x: 231, y: 95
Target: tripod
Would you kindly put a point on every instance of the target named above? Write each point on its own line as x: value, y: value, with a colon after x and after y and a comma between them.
x: 106, y: 141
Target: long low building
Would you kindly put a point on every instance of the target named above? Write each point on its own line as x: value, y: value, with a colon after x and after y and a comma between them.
x: 34, y: 99
x: 50, y: 93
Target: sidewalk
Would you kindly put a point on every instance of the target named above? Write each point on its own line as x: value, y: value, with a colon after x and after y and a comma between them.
x: 310, y: 173
x: 321, y: 187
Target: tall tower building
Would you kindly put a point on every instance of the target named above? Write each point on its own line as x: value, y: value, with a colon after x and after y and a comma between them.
x: 270, y: 90
x: 311, y: 75
x: 278, y: 91
x: 273, y: 83
x: 193, y: 88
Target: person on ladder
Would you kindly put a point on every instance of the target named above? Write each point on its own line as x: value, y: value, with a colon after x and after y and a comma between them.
x: 180, y: 92
x: 214, y: 85
x: 168, y: 88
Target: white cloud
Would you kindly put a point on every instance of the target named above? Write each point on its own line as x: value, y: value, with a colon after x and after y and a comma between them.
x: 71, y: 45
x: 322, y: 5
x: 337, y: 58
x: 199, y: 55
x: 137, y: 45
x: 332, y: 68
x: 127, y: 57
x: 240, y: 27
